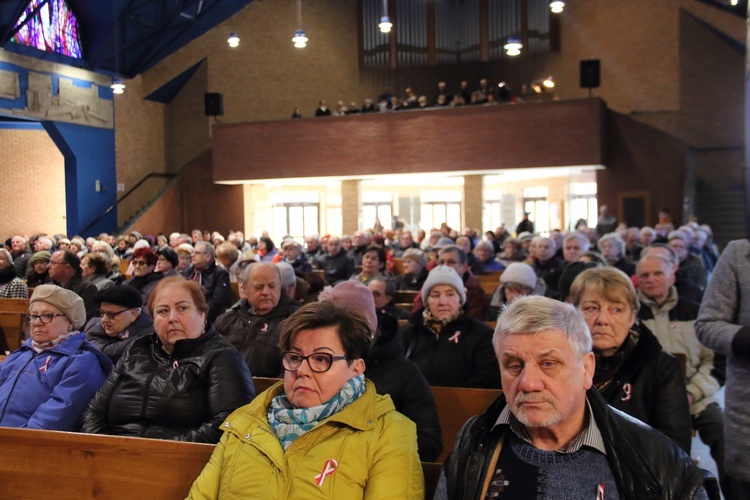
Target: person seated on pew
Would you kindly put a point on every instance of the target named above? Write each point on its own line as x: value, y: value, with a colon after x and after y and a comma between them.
x: 386, y: 366
x: 383, y: 288
x: 633, y: 373
x: 323, y: 432
x: 451, y: 348
x: 551, y: 435
x: 113, y: 261
x: 178, y: 383
x: 485, y: 254
x: 145, y: 278
x: 517, y: 280
x: 11, y: 286
x: 415, y: 270
x: 38, y: 273
x: 48, y: 381
x: 122, y: 320
x: 373, y: 265
x: 252, y: 325
x: 94, y: 269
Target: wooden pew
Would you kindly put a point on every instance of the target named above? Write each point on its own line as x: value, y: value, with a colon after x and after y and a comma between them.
x: 124, y: 264
x: 234, y: 296
x: 64, y: 465
x: 12, y: 325
x: 455, y: 405
x: 398, y: 266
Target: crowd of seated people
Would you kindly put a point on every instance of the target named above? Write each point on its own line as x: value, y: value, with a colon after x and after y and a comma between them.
x: 628, y: 284
x: 484, y: 95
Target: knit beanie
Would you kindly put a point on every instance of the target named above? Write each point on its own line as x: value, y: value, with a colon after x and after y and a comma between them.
x: 355, y: 297
x: 443, y: 275
x: 518, y: 272
x: 170, y: 255
x: 68, y: 302
x: 44, y: 255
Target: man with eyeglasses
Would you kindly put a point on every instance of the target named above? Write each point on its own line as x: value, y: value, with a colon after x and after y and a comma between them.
x: 215, y: 279
x: 454, y: 257
x: 65, y: 271
x: 252, y: 325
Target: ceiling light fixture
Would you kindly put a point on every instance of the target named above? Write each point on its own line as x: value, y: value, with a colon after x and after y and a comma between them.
x: 117, y: 86
x: 233, y: 40
x: 300, y: 40
x: 556, y: 7
x: 385, y: 22
x: 513, y: 47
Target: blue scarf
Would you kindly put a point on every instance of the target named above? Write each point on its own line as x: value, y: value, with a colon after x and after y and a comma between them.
x: 289, y: 423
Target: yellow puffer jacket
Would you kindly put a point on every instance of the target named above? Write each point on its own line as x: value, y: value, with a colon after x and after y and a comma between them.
x: 374, y: 446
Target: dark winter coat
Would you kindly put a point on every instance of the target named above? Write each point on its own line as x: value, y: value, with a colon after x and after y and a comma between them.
x: 184, y: 396
x: 114, y: 347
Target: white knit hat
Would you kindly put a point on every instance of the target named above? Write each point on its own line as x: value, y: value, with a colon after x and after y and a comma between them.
x: 520, y: 273
x: 443, y: 275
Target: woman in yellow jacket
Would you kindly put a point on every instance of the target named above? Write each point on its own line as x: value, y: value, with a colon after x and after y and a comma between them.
x: 324, y: 432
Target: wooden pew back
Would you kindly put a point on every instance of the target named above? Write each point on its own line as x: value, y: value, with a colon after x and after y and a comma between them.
x: 12, y: 325
x: 78, y: 466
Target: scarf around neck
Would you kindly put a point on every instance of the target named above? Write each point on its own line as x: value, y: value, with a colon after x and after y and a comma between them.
x: 436, y: 325
x: 289, y: 423
x: 7, y: 274
x: 40, y: 347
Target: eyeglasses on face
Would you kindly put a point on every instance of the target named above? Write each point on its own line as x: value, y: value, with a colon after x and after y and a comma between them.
x: 110, y: 314
x: 140, y: 263
x: 44, y: 318
x: 319, y: 362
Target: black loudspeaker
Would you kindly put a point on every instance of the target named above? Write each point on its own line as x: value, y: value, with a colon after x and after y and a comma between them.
x: 213, y: 104
x: 590, y: 74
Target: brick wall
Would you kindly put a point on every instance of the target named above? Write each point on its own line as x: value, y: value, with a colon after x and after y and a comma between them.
x: 33, y: 187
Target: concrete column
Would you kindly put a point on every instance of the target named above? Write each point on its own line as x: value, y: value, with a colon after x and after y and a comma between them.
x: 351, y: 206
x: 473, y: 202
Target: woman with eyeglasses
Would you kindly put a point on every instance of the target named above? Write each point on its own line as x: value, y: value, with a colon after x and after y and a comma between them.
x: 323, y: 432
x: 179, y: 382
x: 145, y: 278
x: 122, y: 319
x: 48, y: 381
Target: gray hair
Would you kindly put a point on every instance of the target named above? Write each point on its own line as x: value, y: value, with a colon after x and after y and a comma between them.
x: 580, y: 237
x: 206, y: 247
x: 486, y: 245
x: 536, y: 314
x: 8, y: 256
x: 416, y: 255
x: 614, y: 238
x: 286, y: 272
x: 452, y: 248
x: 390, y: 284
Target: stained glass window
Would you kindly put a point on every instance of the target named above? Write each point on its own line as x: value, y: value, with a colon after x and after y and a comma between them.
x: 51, y: 26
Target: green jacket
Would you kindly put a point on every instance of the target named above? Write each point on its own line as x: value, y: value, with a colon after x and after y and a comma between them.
x: 374, y: 446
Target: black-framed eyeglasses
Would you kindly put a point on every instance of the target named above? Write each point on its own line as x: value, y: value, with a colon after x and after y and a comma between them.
x: 111, y: 315
x: 319, y: 362
x: 139, y: 263
x: 44, y: 318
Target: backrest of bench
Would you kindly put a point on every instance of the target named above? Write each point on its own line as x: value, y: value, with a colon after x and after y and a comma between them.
x: 64, y: 465
x: 12, y: 326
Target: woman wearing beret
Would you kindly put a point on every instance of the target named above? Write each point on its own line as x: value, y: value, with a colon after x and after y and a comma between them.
x: 48, y: 381
x: 38, y: 273
x: 167, y: 262
x: 451, y: 348
x: 121, y: 320
x: 178, y: 383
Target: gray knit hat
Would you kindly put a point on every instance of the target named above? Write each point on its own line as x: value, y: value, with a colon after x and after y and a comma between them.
x: 443, y: 275
x: 68, y: 302
x: 520, y: 273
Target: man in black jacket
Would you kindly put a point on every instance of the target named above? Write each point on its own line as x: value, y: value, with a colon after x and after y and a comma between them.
x: 551, y: 435
x: 252, y: 326
x: 337, y: 265
x: 214, y: 279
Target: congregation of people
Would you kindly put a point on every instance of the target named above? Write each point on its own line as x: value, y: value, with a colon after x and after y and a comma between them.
x: 606, y: 341
x: 484, y: 95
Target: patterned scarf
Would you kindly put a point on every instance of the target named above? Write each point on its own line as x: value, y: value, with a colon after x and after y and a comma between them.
x: 289, y: 423
x: 43, y: 346
x: 436, y: 325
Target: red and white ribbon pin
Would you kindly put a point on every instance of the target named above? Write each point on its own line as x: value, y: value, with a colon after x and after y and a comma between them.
x: 600, y: 492
x: 454, y: 337
x: 43, y: 368
x: 328, y: 469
